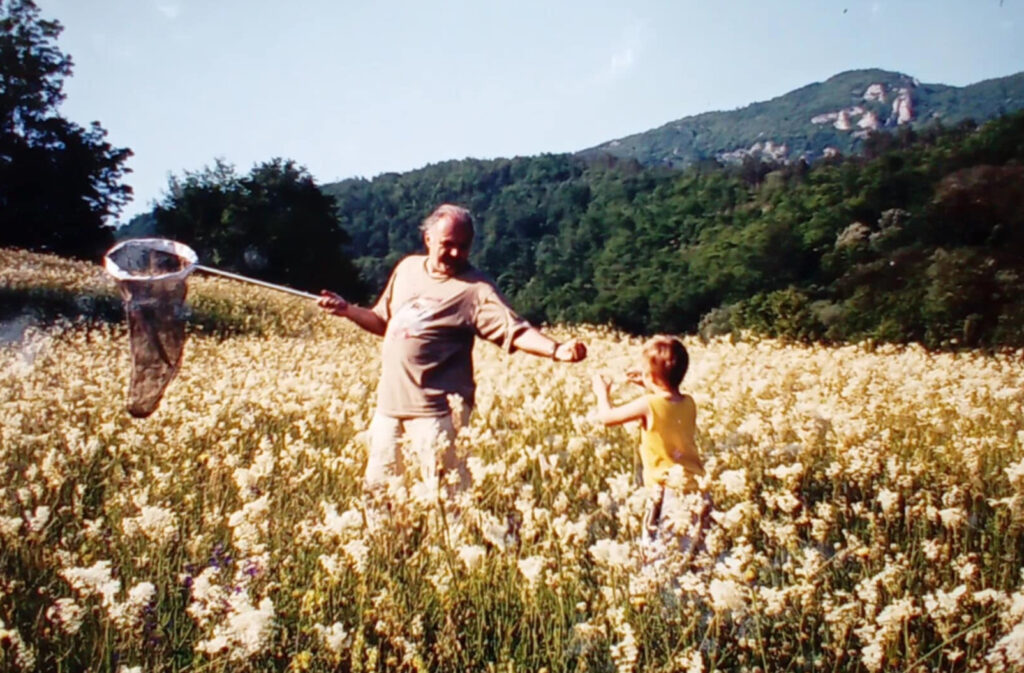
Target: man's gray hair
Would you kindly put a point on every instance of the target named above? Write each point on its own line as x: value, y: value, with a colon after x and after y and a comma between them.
x: 457, y: 214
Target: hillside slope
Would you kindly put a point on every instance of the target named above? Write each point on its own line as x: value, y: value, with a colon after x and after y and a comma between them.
x: 818, y: 119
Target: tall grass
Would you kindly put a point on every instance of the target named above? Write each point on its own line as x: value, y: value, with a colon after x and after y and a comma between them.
x: 867, y: 509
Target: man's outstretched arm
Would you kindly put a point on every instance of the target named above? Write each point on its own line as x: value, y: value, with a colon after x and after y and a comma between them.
x: 535, y: 342
x: 364, y: 317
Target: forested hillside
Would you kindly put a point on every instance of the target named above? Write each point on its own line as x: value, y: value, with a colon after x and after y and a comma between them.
x: 920, y: 239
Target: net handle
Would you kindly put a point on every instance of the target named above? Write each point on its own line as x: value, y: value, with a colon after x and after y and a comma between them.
x: 261, y: 283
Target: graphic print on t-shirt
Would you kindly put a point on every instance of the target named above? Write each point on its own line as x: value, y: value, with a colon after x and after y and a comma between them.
x: 413, y: 317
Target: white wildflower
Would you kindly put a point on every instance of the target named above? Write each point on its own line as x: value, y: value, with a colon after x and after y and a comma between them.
x: 339, y: 525
x: 932, y: 549
x: 1015, y: 473
x: 356, y: 552
x: 532, y: 568
x: 66, y: 614
x: 208, y: 598
x: 249, y: 525
x: 37, y: 521
x: 244, y: 632
x: 94, y: 580
x: 887, y: 625
x: 129, y: 613
x: 887, y: 500
x: 689, y: 661
x: 611, y: 553
x: 726, y: 595
x: 471, y: 554
x: 495, y: 532
x: 155, y: 523
x: 570, y: 532
x: 772, y: 599
x: 332, y: 564
x: 784, y: 501
x: 1008, y: 652
x: 735, y: 517
x: 788, y: 474
x: 23, y: 655
x: 586, y: 635
x: 625, y: 652
x: 620, y: 487
x: 734, y: 482
x: 942, y: 608
x: 334, y: 637
x: 425, y: 493
x: 10, y: 525
x: 952, y: 517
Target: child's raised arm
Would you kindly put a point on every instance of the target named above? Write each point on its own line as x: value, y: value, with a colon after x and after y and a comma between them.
x: 636, y: 410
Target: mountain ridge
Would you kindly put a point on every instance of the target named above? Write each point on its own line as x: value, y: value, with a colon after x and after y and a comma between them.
x: 817, y: 119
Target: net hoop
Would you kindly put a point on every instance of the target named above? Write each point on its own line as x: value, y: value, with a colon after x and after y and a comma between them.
x: 152, y: 276
x: 118, y: 260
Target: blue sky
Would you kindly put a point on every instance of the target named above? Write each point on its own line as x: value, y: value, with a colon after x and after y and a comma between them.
x: 349, y: 88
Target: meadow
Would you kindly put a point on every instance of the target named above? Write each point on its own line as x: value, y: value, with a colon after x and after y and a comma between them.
x: 868, y: 505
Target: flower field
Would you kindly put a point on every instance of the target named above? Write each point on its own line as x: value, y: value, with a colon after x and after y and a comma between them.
x: 868, y: 507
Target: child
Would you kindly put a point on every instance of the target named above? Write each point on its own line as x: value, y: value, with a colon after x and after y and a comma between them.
x: 668, y: 421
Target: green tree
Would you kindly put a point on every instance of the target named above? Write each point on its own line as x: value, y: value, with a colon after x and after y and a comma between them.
x: 274, y: 224
x: 59, y: 182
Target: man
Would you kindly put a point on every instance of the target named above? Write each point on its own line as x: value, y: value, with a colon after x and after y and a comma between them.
x: 431, y: 311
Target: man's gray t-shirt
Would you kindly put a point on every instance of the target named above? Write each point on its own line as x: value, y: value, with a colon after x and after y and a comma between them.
x: 428, y: 345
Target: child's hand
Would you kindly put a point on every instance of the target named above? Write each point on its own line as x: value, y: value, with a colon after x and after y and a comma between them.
x: 570, y: 351
x: 601, y: 385
x: 635, y: 376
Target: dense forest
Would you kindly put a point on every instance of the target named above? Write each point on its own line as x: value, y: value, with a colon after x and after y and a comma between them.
x: 918, y: 238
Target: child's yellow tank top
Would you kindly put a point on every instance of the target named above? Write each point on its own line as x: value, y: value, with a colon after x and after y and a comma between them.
x: 670, y: 440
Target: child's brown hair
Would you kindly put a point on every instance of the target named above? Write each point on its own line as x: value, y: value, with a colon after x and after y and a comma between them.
x: 667, y: 360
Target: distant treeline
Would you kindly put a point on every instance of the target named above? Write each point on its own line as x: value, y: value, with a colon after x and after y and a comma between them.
x: 919, y: 239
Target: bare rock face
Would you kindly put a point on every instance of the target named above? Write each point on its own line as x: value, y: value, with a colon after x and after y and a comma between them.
x: 875, y: 92
x: 903, y: 107
x: 869, y: 121
x: 764, y: 151
x: 878, y: 106
x: 862, y: 119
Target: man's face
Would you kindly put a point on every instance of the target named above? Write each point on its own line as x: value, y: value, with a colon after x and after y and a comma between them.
x: 448, y: 244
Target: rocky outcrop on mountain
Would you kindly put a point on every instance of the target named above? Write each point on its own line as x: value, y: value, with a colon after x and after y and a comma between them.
x: 763, y: 151
x: 866, y: 117
x: 903, y: 107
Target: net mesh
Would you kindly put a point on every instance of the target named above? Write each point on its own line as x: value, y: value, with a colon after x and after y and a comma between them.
x: 151, y: 275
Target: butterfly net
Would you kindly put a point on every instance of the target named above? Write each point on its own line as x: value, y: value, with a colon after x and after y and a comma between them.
x: 151, y: 275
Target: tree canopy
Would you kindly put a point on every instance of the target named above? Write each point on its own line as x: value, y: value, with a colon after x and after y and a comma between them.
x: 273, y: 224
x: 59, y: 182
